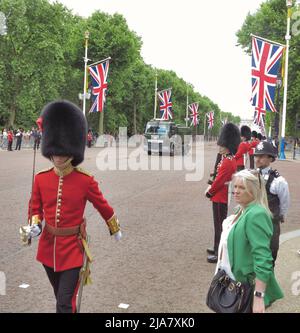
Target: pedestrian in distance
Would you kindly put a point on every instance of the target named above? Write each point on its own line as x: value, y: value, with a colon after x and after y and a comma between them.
x: 19, y: 137
x: 89, y: 138
x: 253, y: 143
x: 10, y: 139
x: 37, y: 135
x: 4, y: 139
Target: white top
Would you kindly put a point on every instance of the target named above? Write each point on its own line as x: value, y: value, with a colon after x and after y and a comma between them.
x: 223, y: 257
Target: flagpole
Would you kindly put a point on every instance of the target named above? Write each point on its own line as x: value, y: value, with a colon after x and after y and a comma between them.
x: 86, y: 35
x: 289, y: 4
x: 155, y: 96
x: 187, y: 106
x: 204, y: 125
x: 100, y: 61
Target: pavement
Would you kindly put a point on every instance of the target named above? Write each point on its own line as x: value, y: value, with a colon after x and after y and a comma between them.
x: 287, y: 272
x: 160, y: 264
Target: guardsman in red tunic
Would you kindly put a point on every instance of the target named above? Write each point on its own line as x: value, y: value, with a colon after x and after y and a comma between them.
x: 228, y: 143
x: 243, y: 148
x: 253, y: 143
x: 59, y: 198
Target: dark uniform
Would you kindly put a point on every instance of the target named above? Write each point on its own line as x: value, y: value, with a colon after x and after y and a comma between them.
x: 19, y: 137
x: 277, y: 192
x: 59, y: 198
x: 218, y: 192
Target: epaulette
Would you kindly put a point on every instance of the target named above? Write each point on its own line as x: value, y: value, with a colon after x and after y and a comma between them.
x: 45, y: 170
x: 82, y: 171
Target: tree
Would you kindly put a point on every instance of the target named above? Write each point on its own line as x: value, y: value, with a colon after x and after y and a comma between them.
x: 270, y: 22
x: 35, y: 57
x: 41, y: 59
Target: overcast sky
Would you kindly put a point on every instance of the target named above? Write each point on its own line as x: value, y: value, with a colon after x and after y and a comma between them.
x: 194, y: 38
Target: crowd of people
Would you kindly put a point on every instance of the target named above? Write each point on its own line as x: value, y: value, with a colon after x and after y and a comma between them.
x: 246, y: 243
x: 21, y: 137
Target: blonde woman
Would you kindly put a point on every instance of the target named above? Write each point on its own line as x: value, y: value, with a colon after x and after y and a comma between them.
x: 244, y: 251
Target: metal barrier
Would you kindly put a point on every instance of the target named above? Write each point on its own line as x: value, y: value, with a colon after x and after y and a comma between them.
x: 27, y: 143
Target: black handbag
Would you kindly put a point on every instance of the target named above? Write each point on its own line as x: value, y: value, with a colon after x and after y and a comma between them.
x: 228, y: 296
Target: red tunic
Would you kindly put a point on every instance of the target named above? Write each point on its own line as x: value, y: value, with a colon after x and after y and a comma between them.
x: 219, y: 188
x: 10, y: 137
x: 243, y: 149
x: 253, y: 145
x: 61, y: 201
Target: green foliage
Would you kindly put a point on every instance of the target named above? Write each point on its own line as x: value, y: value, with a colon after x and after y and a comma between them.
x: 42, y: 60
x: 270, y: 22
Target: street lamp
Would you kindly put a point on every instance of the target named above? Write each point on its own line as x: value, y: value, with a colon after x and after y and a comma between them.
x: 84, y: 95
x: 276, y: 119
x: 289, y: 4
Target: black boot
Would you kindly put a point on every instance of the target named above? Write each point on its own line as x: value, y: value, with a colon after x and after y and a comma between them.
x: 212, y: 259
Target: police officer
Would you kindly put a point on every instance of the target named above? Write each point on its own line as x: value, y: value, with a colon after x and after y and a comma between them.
x: 243, y: 148
x: 276, y: 187
x: 59, y: 198
x: 228, y: 143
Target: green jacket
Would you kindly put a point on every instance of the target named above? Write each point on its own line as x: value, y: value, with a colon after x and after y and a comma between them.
x: 249, y: 250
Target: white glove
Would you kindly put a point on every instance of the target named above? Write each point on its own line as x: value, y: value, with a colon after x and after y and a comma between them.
x: 29, y: 231
x: 208, y: 188
x: 118, y: 235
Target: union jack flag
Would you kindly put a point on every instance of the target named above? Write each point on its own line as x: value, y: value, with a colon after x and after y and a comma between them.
x: 259, y: 120
x: 194, y: 113
x: 99, y: 75
x: 165, y: 106
x: 259, y: 116
x: 266, y: 59
x: 211, y: 117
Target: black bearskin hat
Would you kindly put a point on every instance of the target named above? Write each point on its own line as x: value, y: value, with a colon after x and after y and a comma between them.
x: 64, y: 131
x: 246, y: 132
x: 230, y: 137
x: 254, y: 134
x: 259, y: 136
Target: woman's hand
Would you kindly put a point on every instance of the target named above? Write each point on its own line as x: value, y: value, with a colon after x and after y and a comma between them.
x: 258, y: 305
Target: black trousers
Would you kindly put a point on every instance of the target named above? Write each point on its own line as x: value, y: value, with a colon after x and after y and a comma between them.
x: 219, y: 213
x: 36, y: 144
x: 275, y: 240
x: 9, y: 145
x: 251, y: 158
x: 18, y: 145
x: 64, y: 286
